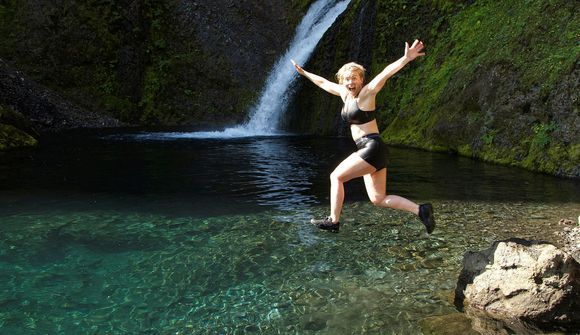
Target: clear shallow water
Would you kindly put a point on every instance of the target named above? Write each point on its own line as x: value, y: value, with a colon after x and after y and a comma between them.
x: 122, y: 234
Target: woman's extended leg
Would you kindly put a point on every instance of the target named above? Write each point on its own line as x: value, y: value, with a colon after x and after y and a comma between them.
x: 376, y: 185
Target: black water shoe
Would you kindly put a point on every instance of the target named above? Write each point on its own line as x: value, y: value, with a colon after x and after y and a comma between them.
x: 326, y: 224
x: 426, y: 215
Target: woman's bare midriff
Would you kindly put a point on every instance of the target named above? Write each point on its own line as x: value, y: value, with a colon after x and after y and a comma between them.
x: 360, y: 130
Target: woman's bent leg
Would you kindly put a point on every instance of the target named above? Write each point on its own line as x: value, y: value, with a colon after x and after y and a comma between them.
x: 376, y: 185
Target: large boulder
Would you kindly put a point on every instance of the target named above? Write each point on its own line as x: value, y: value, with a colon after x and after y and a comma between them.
x: 528, y: 281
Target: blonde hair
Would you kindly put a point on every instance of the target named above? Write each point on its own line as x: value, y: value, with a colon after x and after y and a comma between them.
x: 350, y: 67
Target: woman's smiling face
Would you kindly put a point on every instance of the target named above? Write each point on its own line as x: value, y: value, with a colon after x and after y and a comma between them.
x: 353, y: 82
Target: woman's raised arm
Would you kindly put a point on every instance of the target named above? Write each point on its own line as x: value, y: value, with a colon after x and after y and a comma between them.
x: 327, y: 85
x: 412, y: 52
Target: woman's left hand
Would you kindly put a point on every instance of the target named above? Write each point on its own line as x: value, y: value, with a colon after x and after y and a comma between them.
x: 414, y: 50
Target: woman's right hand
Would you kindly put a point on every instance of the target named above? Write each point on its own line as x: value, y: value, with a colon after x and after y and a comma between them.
x: 299, y: 69
x: 328, y: 86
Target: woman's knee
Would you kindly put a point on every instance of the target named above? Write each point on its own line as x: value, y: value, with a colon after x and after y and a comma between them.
x: 336, y: 177
x: 377, y: 200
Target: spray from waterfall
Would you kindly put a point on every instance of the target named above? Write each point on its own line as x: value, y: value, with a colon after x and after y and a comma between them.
x: 266, y: 116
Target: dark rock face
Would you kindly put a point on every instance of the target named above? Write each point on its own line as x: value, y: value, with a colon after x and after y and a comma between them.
x: 249, y: 34
x: 45, y: 109
x: 220, y: 54
x: 511, y: 114
x: 533, y: 283
x: 153, y: 62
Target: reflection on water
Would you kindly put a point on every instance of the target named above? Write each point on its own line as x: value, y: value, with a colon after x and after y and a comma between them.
x: 279, y: 173
x: 120, y: 235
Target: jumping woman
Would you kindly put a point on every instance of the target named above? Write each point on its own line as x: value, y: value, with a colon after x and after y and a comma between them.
x: 369, y: 161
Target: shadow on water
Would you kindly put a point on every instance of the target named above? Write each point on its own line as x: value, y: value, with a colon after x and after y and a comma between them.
x: 284, y: 172
x: 272, y: 168
x: 450, y: 177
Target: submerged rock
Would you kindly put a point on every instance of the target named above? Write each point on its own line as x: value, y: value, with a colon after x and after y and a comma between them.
x: 530, y: 282
x: 451, y: 324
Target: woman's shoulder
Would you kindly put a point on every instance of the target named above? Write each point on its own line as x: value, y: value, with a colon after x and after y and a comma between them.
x: 366, y: 99
x: 366, y: 93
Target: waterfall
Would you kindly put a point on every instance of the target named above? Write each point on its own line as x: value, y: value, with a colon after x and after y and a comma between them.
x: 265, y: 117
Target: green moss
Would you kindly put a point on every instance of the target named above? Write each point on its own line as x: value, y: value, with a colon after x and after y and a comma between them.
x: 526, y: 34
x: 14, y: 130
x: 496, y: 154
x: 154, y: 82
x: 575, y: 154
x: 542, y: 133
x: 489, y: 136
x: 465, y: 150
x: 553, y: 157
x: 12, y: 137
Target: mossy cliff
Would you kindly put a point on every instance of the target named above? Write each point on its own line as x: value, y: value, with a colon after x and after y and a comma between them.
x: 499, y: 82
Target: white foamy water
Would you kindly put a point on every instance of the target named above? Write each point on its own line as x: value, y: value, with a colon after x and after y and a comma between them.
x: 265, y: 117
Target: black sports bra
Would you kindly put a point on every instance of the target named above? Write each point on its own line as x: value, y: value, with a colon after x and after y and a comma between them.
x: 352, y: 114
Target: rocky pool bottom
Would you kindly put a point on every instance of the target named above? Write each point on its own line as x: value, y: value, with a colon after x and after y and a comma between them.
x: 130, y: 271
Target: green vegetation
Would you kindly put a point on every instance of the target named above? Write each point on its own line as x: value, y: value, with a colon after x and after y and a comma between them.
x: 535, y: 38
x: 11, y: 136
x: 480, y: 59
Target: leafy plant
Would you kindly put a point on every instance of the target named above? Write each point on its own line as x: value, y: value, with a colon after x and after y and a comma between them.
x: 542, y: 133
x: 488, y: 137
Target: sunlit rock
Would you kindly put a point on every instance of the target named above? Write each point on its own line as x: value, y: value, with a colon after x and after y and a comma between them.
x: 571, y: 241
x: 533, y: 282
